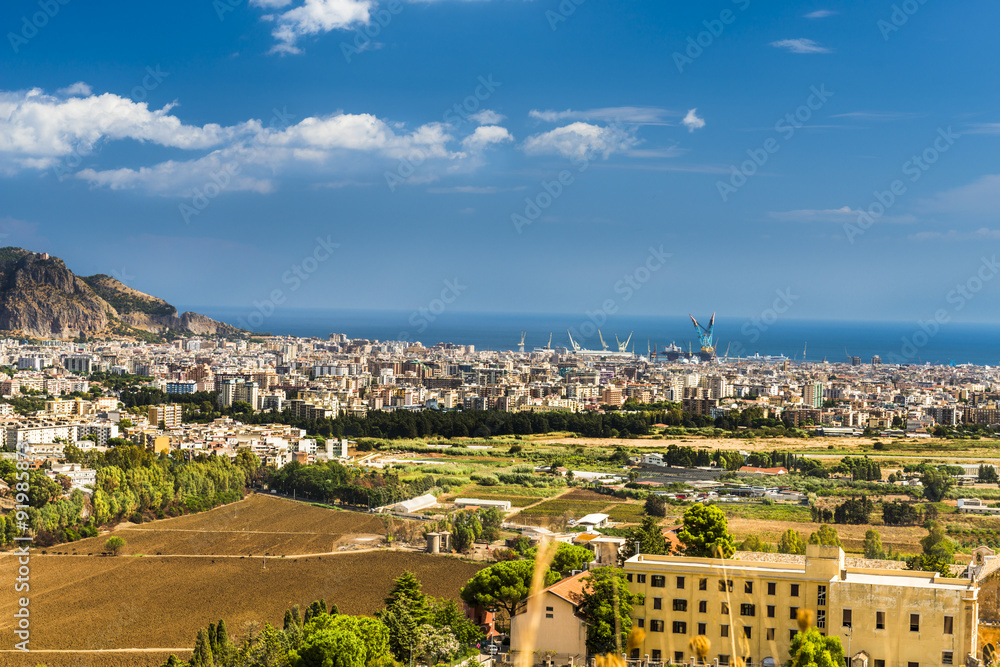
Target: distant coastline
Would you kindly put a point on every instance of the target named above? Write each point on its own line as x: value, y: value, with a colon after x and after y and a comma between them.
x: 949, y: 343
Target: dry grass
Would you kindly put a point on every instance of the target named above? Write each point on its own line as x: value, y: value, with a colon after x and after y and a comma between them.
x: 902, y: 538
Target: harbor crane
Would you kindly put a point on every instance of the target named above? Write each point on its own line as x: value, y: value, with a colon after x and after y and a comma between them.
x: 705, y: 334
x: 548, y: 346
x: 623, y: 347
x: 604, y: 346
x: 520, y: 346
x: 576, y: 346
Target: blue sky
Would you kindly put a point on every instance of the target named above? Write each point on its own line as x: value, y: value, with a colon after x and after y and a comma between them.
x: 202, y: 151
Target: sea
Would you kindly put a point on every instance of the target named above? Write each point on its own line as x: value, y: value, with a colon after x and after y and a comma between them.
x: 916, y: 342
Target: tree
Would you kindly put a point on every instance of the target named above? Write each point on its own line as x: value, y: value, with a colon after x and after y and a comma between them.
x: 446, y: 614
x: 898, y: 513
x: 606, y: 594
x: 342, y: 641
x: 646, y: 538
x: 936, y: 543
x: 436, y: 644
x: 115, y: 545
x: 827, y: 536
x: 568, y: 557
x: 987, y: 474
x: 791, y: 543
x: 873, y: 545
x: 754, y: 543
x: 925, y: 563
x: 936, y: 484
x: 656, y: 505
x: 706, y: 533
x: 202, y: 655
x: 491, y: 519
x: 503, y: 585
x: 812, y: 649
x: 407, y: 587
x: 402, y: 626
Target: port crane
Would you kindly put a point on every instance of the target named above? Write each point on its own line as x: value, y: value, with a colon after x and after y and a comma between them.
x: 623, y: 347
x: 604, y: 346
x: 548, y: 346
x: 576, y: 346
x: 520, y: 346
x: 705, y: 334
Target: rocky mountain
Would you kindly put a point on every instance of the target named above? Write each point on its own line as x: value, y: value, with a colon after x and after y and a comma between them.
x: 41, y: 298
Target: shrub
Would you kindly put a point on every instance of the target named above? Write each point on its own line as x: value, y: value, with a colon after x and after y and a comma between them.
x: 115, y: 545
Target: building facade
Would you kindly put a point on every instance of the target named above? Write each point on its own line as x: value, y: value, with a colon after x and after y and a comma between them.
x: 748, y: 609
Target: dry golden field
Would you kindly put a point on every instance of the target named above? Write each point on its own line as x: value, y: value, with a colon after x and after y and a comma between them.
x: 94, y: 603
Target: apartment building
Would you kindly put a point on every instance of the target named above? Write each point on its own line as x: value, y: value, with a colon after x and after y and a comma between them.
x: 898, y: 618
x: 169, y: 415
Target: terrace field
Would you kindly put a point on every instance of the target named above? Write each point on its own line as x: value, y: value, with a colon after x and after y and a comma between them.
x: 92, y: 603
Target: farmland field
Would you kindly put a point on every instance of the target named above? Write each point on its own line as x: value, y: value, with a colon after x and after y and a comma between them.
x: 159, y: 602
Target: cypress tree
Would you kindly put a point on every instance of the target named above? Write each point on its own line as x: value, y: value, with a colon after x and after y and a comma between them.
x: 223, y: 647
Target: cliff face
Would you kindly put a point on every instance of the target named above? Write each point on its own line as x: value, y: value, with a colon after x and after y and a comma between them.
x: 40, y: 297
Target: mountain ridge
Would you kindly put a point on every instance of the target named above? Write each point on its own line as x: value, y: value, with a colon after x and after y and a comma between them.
x: 40, y: 297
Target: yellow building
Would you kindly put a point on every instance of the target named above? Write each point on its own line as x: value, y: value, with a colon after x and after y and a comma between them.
x: 895, y: 618
x: 169, y: 415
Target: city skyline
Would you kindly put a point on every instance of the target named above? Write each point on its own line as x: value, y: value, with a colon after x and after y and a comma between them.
x: 546, y: 156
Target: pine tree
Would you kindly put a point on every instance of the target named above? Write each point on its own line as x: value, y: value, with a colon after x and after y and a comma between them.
x: 407, y: 589
x: 289, y: 621
x: 211, y: 639
x: 202, y: 656
x: 223, y: 647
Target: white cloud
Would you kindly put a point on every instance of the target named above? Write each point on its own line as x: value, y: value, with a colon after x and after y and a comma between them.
x: 580, y: 140
x: 979, y: 199
x: 800, y: 45
x: 78, y: 88
x: 486, y: 136
x: 692, y: 122
x: 981, y: 234
x: 313, y: 17
x: 631, y: 115
x: 37, y: 130
x: 820, y: 14
x: 338, y: 145
x: 836, y: 215
x: 487, y: 117
x: 985, y: 128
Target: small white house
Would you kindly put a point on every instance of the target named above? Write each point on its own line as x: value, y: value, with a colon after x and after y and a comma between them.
x: 595, y: 520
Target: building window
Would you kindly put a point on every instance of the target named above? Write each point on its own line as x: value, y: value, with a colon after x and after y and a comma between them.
x: 795, y: 590
x: 848, y: 617
x: 770, y: 634
x: 659, y: 581
x: 821, y: 618
x: 821, y: 596
x: 703, y: 584
x: 680, y: 628
x: 748, y: 610
x: 640, y: 578
x: 634, y: 655
x: 549, y: 612
x: 771, y: 588
x: 725, y: 608
x: 946, y: 658
x: 655, y: 626
x: 748, y: 587
x: 747, y: 630
x: 880, y: 663
x: 723, y: 630
x: 640, y: 622
x: 770, y: 611
x: 703, y: 606
x: 679, y: 657
x: 657, y: 603
x: 949, y: 625
x: 656, y: 655
x: 914, y: 622
x: 680, y: 583
x: 702, y: 629
x: 680, y: 605
x: 793, y: 613
x: 725, y: 584
x: 723, y: 659
x: 791, y: 634
x: 880, y: 620
x: 913, y: 664
x: 628, y: 577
